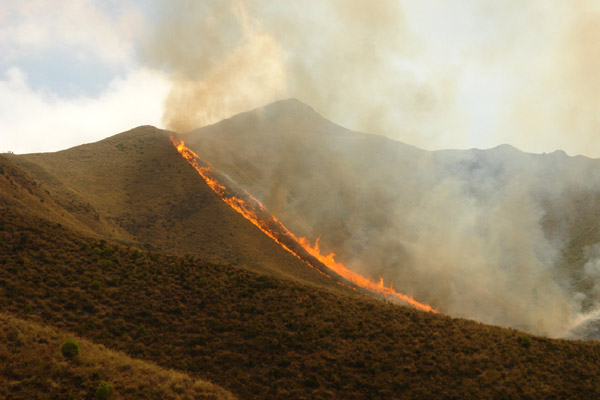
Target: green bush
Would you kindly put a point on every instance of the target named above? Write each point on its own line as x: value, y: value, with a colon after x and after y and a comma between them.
x: 525, y: 341
x: 108, y: 251
x: 136, y: 253
x: 95, y: 285
x: 104, y: 391
x: 70, y: 348
x: 28, y: 309
x: 142, y: 331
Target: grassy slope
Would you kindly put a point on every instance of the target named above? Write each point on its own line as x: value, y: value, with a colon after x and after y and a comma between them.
x: 149, y: 194
x: 265, y: 337
x: 19, y: 189
x: 34, y: 368
x: 261, y: 336
x: 355, y: 182
x: 285, y: 151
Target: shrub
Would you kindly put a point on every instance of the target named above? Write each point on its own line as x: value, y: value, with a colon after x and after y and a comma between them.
x: 104, y: 391
x: 70, y: 348
x: 28, y: 309
x: 311, y: 382
x: 95, y: 285
x: 525, y: 341
x: 108, y: 251
x: 136, y: 253
x: 85, y: 246
x: 142, y: 331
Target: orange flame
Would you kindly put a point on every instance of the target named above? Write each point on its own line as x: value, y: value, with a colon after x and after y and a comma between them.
x: 255, y: 212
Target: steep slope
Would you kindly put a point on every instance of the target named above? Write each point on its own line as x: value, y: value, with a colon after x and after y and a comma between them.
x: 147, y: 194
x: 312, y: 173
x: 497, y: 235
x: 33, y: 368
x: 19, y: 189
x: 264, y: 337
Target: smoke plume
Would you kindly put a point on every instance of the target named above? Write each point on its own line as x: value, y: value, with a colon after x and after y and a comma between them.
x: 431, y: 74
x: 345, y: 58
x: 469, y: 235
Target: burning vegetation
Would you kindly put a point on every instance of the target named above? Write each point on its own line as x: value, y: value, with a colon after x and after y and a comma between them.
x: 255, y: 212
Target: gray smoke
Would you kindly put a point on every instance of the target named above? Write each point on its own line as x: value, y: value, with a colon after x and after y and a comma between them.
x: 479, y: 235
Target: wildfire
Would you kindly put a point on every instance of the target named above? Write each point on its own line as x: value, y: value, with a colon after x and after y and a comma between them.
x: 300, y: 247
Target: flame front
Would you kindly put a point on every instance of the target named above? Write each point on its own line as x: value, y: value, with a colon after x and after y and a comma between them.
x: 255, y: 212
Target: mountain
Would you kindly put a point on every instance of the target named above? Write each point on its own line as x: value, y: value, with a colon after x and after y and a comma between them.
x: 122, y: 243
x: 257, y: 335
x: 135, y: 188
x: 468, y: 231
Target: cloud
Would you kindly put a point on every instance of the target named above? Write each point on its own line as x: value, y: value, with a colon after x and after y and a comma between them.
x: 34, y: 120
x: 104, y: 32
x: 69, y: 73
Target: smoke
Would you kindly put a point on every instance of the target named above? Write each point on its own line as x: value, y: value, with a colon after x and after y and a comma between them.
x: 481, y: 252
x: 498, y: 236
x: 432, y: 74
x: 345, y: 58
x: 558, y: 89
x: 468, y: 232
x: 591, y: 275
x: 222, y: 62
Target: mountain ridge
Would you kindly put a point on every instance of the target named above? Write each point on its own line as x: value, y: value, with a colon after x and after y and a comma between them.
x: 378, y: 203
x: 121, y: 242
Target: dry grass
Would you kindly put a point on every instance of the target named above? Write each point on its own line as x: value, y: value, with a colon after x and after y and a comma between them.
x: 268, y: 338
x: 34, y: 368
x: 285, y: 334
x: 143, y: 191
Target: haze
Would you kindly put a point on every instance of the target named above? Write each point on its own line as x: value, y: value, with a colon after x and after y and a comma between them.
x: 431, y: 74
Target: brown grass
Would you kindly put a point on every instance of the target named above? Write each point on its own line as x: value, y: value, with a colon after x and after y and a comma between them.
x: 285, y: 332
x: 34, y: 368
x: 144, y: 192
x: 266, y: 338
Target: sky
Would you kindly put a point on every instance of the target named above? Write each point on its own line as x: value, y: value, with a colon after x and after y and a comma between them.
x: 431, y: 73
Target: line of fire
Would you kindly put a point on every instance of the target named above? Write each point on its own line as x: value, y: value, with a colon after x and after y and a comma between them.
x: 252, y: 209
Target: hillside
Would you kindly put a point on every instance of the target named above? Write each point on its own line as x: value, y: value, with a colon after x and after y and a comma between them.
x: 122, y: 243
x: 266, y: 337
x: 134, y: 187
x: 454, y: 229
x: 497, y: 235
x: 34, y: 368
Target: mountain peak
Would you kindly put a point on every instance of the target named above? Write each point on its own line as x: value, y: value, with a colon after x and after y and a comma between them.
x: 289, y: 104
x: 286, y: 109
x: 287, y: 116
x: 505, y: 148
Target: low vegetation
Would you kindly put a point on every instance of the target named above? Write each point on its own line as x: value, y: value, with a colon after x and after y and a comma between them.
x: 70, y: 349
x: 259, y: 336
x: 32, y: 367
